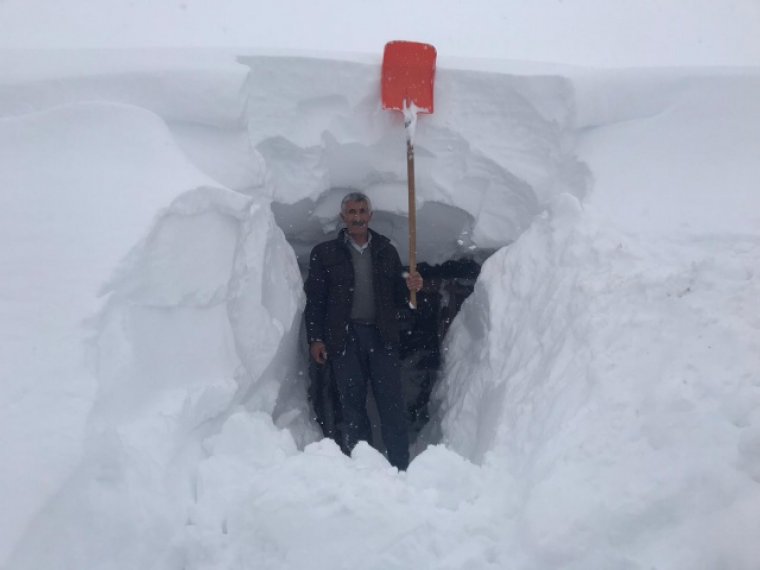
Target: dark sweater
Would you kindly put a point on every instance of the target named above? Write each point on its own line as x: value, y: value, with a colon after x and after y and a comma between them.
x: 363, y: 307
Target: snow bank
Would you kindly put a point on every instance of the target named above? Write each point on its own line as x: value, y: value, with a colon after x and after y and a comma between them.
x: 616, y: 380
x: 98, y: 403
x: 70, y: 211
x: 614, y: 374
x: 494, y: 153
x: 199, y: 94
x: 598, y: 406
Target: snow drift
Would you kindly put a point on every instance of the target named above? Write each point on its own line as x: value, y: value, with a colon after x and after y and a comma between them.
x: 599, y: 402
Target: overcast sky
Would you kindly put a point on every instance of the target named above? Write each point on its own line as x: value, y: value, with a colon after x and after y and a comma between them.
x: 586, y: 32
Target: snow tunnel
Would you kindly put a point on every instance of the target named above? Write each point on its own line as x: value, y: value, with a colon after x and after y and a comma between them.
x: 487, y: 162
x: 449, y: 262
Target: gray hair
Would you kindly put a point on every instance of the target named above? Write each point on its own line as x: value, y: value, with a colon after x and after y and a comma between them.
x: 355, y: 197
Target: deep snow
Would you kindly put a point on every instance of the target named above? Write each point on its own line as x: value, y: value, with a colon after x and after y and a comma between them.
x: 599, y: 401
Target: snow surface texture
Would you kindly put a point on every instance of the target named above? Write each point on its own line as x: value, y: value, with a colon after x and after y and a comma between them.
x: 600, y: 402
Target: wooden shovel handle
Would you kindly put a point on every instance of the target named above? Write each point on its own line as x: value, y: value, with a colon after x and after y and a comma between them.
x: 412, y: 216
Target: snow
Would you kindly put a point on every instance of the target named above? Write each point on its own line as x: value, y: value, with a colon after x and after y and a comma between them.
x: 61, y: 229
x: 599, y: 405
x: 582, y: 32
x: 614, y: 379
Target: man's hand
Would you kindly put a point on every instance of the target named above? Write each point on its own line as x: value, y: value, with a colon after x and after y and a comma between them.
x: 414, y: 281
x: 318, y: 351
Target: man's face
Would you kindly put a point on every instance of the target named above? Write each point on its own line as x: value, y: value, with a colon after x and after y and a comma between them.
x: 356, y: 216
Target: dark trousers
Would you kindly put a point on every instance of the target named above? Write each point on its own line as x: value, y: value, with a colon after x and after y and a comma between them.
x: 324, y: 400
x: 368, y: 359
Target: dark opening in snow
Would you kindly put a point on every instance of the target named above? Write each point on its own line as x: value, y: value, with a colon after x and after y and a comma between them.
x: 449, y: 264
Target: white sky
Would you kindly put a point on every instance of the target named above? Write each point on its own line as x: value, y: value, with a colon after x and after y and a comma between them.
x: 586, y: 32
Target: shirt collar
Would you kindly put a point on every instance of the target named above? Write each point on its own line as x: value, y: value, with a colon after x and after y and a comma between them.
x: 356, y: 246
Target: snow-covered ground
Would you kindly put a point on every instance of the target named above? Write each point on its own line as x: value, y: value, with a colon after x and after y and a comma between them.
x: 600, y: 400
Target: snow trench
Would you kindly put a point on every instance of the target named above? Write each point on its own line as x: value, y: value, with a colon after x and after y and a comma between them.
x: 202, y: 317
x: 582, y: 423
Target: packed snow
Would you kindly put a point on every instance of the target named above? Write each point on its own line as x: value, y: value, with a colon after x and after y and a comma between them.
x: 599, y: 402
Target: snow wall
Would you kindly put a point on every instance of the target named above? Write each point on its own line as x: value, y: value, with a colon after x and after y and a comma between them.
x: 599, y: 404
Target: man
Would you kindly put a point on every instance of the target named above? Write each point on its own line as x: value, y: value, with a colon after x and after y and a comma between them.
x: 355, y: 297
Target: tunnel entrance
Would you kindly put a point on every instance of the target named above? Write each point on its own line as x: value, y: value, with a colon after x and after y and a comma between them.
x: 449, y: 263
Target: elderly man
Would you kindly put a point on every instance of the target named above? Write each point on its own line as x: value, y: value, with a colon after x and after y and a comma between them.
x: 355, y: 296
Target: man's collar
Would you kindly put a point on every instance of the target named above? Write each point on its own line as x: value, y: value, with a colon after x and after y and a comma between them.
x: 350, y: 241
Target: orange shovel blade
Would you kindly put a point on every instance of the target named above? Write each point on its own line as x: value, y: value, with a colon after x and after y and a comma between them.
x: 408, y: 73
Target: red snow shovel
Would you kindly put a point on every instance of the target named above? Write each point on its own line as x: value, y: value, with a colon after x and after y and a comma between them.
x: 407, y: 86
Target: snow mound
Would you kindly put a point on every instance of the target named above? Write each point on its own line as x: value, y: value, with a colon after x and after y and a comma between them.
x: 70, y: 211
x: 200, y: 95
x: 608, y: 360
x: 190, y: 329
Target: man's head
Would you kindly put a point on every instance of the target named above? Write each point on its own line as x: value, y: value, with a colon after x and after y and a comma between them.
x: 356, y: 213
